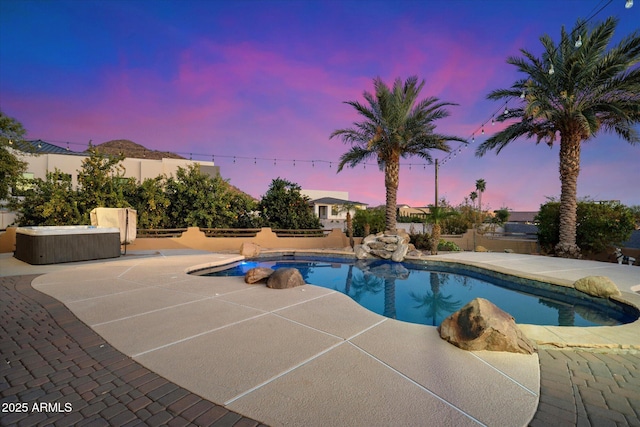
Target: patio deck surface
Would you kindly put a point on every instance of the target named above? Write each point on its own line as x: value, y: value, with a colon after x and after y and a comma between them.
x: 309, y: 355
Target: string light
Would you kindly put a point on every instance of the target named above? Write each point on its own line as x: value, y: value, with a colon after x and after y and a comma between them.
x: 578, y: 43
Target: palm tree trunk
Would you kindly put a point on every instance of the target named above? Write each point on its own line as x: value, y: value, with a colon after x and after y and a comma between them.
x: 569, y: 170
x: 435, y: 238
x: 350, y: 229
x: 389, y: 298
x: 391, y: 181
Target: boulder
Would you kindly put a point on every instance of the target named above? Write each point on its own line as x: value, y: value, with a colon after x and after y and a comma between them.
x: 370, y: 238
x: 257, y: 274
x: 480, y: 325
x: 284, y: 278
x: 400, y: 252
x: 361, y: 251
x: 481, y: 249
x: 597, y: 286
x: 249, y: 250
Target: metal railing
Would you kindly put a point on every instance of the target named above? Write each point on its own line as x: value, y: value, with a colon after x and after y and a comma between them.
x: 160, y: 232
x: 301, y: 233
x: 230, y: 232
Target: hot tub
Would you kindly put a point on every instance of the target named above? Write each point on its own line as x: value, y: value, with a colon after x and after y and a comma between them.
x: 56, y: 244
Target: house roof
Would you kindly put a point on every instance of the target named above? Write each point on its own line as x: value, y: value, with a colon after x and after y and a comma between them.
x: 38, y: 146
x: 334, y: 201
x: 522, y: 216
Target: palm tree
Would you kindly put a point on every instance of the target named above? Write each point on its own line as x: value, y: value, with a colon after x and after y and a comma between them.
x: 435, y: 302
x: 573, y: 93
x: 481, y: 185
x: 395, y: 124
x: 433, y: 217
x: 473, y: 196
x: 348, y: 207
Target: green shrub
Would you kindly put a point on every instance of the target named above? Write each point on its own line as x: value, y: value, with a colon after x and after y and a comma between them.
x: 599, y: 225
x: 421, y: 241
x: 448, y: 246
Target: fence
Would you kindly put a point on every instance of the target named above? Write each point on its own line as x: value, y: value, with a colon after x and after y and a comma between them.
x: 229, y: 239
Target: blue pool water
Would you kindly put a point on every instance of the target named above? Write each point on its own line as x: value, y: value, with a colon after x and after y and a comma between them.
x: 427, y: 294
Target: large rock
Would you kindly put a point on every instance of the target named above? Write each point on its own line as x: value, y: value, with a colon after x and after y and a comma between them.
x: 598, y: 286
x: 257, y: 274
x: 284, y: 278
x: 387, y: 245
x: 480, y: 325
x: 249, y: 250
x: 361, y: 251
x: 400, y: 252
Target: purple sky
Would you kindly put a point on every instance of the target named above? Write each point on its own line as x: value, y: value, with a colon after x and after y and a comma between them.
x: 267, y: 80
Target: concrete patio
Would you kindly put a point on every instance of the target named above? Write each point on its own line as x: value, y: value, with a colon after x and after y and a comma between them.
x: 309, y: 355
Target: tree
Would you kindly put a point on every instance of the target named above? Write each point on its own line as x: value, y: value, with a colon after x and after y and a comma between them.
x: 481, y: 185
x: 435, y: 216
x: 11, y: 168
x: 152, y: 203
x: 600, y: 225
x: 395, y: 124
x: 368, y: 221
x: 50, y: 202
x: 348, y: 207
x: 101, y: 183
x: 284, y: 207
x: 573, y: 93
x: 198, y: 200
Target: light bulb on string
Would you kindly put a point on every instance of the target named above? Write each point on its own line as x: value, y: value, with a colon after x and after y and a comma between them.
x: 522, y: 95
x: 493, y: 122
x: 506, y: 111
x: 551, y: 70
x: 579, y: 41
x: 483, y: 129
x: 628, y: 4
x: 255, y: 161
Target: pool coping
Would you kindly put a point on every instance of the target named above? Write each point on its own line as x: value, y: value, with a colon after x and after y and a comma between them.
x: 611, y: 338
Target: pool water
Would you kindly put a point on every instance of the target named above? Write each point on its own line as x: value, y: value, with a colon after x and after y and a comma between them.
x: 428, y: 294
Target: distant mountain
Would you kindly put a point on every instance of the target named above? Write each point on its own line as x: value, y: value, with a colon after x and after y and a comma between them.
x: 133, y: 150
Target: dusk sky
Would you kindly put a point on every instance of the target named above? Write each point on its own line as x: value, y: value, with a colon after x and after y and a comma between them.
x: 265, y: 80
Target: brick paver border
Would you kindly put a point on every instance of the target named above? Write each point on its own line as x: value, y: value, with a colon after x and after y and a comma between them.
x: 58, y: 371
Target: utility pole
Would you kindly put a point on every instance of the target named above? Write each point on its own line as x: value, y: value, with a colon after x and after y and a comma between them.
x: 436, y: 204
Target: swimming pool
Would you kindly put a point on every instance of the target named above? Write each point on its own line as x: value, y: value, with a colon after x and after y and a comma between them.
x: 428, y: 293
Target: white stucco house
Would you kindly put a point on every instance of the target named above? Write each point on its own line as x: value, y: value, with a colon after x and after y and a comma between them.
x: 330, y: 206
x: 43, y: 157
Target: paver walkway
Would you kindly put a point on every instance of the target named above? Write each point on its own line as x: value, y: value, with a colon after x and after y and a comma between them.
x: 583, y: 388
x: 74, y: 377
